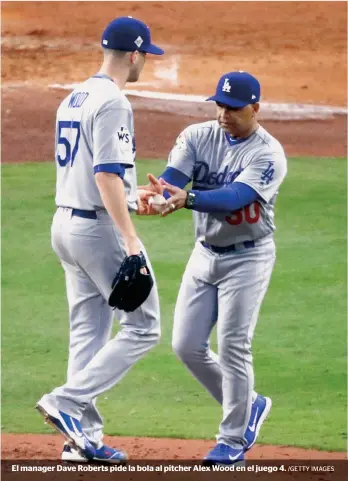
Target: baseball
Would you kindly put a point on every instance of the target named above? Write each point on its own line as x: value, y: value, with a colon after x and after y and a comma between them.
x: 158, y: 203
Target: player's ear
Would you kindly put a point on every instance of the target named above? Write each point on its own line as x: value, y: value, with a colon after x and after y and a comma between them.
x: 133, y: 57
x: 256, y: 107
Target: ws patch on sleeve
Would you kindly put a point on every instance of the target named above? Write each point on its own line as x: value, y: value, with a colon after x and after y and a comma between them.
x: 125, y: 139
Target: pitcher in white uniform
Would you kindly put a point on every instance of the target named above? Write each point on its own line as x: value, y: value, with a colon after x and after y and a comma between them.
x: 236, y: 168
x: 92, y: 233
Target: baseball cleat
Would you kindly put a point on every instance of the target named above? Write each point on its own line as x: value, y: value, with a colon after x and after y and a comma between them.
x: 68, y: 426
x: 105, y: 454
x: 73, y: 455
x: 224, y: 454
x: 259, y: 412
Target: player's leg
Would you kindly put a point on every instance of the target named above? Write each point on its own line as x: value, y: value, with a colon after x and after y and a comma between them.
x: 90, y: 328
x: 90, y: 317
x: 245, y: 278
x: 194, y: 317
x: 99, y: 251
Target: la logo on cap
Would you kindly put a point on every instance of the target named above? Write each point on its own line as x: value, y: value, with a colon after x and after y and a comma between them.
x: 226, y: 86
x: 138, y: 42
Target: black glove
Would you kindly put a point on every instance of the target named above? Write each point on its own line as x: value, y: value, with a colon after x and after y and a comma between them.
x: 131, y: 288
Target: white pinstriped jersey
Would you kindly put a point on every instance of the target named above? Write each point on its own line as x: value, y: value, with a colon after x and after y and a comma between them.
x: 94, y: 126
x: 206, y: 154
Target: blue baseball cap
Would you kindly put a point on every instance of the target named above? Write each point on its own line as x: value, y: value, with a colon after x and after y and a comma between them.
x: 129, y: 34
x: 237, y: 89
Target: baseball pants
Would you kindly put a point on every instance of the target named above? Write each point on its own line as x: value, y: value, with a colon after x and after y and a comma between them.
x: 91, y: 252
x: 226, y: 289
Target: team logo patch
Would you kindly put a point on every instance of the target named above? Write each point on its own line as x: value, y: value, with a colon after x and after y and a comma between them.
x: 138, y: 42
x: 125, y: 138
x: 226, y: 86
x: 268, y: 174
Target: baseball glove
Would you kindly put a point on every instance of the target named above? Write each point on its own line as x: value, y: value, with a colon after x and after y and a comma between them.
x: 131, y: 287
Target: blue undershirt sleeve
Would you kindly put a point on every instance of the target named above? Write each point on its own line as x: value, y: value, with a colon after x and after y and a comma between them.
x: 114, y: 168
x: 174, y: 177
x: 227, y: 199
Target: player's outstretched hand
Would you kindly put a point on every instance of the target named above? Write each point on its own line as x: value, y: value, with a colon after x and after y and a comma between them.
x: 143, y: 202
x: 154, y: 185
x: 177, y: 199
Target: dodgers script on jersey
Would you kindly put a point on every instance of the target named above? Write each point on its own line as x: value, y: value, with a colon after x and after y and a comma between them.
x: 98, y: 105
x: 212, y: 159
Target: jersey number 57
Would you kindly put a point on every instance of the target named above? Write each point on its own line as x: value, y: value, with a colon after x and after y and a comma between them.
x: 68, y: 136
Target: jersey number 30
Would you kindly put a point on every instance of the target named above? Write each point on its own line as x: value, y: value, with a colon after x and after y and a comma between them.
x: 68, y: 136
x: 249, y: 213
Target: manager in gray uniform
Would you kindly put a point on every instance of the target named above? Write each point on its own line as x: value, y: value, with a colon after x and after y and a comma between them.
x: 236, y: 168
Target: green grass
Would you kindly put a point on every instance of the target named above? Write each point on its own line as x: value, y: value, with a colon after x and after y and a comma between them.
x: 299, y: 344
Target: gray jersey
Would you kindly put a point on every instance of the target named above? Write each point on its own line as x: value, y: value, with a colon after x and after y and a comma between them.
x: 94, y: 126
x: 206, y: 154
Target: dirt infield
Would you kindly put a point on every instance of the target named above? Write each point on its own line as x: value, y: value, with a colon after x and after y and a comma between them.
x: 296, y: 49
x: 45, y: 446
x: 28, y: 116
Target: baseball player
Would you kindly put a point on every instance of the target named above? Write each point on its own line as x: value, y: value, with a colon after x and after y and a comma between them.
x: 236, y: 168
x: 92, y: 233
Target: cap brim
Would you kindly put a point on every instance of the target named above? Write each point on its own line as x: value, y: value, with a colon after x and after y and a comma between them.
x: 153, y: 49
x: 228, y: 101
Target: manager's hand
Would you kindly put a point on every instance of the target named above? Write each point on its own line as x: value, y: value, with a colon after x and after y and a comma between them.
x: 176, y: 200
